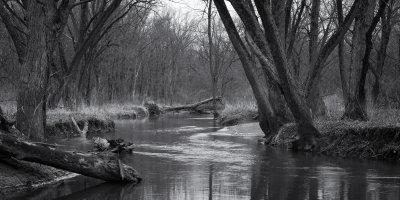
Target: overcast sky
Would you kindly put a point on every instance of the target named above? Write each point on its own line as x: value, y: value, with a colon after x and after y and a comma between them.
x: 192, y: 8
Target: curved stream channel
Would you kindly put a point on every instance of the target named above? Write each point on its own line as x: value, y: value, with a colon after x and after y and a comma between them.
x: 188, y: 156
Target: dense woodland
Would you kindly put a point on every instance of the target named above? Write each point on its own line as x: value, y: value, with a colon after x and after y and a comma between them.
x: 288, y: 56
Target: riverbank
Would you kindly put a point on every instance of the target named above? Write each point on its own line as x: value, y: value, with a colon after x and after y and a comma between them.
x: 18, y: 176
x: 350, y: 139
x: 378, y: 138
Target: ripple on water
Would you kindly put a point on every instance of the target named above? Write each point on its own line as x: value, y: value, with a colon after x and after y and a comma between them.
x: 182, y: 130
x: 201, y: 148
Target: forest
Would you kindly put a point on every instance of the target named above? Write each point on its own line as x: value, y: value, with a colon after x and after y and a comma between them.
x: 305, y: 70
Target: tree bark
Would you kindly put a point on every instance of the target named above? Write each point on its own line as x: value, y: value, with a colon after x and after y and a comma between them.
x: 97, y: 166
x: 355, y: 109
x: 31, y: 102
x: 301, y: 114
x: 282, y: 78
x: 342, y: 69
x: 314, y: 75
x: 366, y: 65
x: 315, y: 101
x: 385, y: 36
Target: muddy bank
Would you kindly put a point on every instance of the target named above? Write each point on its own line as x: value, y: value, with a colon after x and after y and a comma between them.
x: 363, y: 140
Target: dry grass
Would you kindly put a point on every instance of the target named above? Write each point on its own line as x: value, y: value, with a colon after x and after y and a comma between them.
x: 107, y: 111
x: 239, y: 110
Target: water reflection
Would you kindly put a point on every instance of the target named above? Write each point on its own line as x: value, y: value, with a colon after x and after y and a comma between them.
x: 189, y: 157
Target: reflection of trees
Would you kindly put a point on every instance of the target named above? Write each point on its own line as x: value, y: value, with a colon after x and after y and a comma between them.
x: 210, y: 182
x: 269, y: 180
x: 282, y: 175
x: 299, y: 186
x: 358, y: 184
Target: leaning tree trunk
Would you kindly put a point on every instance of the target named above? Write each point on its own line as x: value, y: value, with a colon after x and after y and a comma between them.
x: 267, y: 117
x: 31, y: 102
x: 294, y: 100
x: 245, y: 57
x: 272, y: 110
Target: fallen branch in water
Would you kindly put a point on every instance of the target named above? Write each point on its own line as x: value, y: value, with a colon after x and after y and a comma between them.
x: 100, y: 166
x: 85, y: 129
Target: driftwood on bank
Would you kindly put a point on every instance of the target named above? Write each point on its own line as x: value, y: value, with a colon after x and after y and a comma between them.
x: 199, y: 107
x: 94, y: 165
x: 114, y: 146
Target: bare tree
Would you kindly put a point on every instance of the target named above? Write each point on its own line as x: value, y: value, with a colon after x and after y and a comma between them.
x: 355, y: 108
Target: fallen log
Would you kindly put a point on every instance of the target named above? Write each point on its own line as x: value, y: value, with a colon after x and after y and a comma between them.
x: 199, y: 107
x: 94, y: 165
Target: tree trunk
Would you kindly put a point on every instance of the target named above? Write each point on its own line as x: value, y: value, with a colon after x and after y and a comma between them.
x: 306, y: 129
x: 366, y: 65
x: 301, y: 114
x: 355, y: 109
x: 268, y: 120
x: 343, y: 74
x: 97, y: 166
x: 314, y: 75
x: 385, y: 36
x: 31, y: 102
x: 279, y: 13
x: 212, y: 65
x: 314, y: 100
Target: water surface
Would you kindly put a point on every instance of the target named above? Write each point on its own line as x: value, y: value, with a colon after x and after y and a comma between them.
x: 190, y: 157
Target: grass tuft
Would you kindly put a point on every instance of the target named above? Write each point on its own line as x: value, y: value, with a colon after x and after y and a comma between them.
x: 237, y: 111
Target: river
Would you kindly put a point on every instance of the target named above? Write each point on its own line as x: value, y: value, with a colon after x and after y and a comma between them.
x: 191, y: 157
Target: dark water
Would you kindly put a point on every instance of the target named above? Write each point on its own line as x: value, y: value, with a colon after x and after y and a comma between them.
x: 189, y: 157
